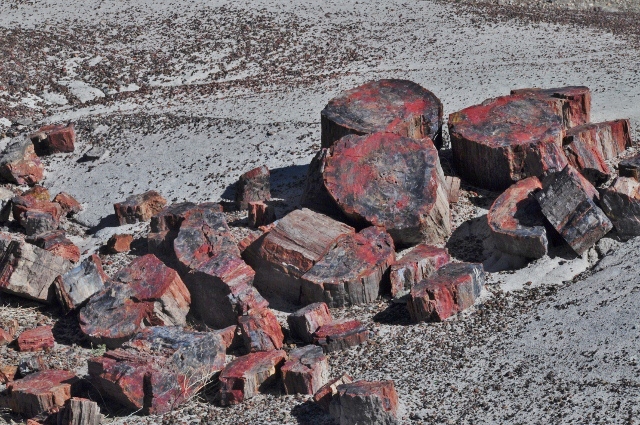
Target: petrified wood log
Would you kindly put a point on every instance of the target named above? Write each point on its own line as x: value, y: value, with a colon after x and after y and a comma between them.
x: 572, y: 103
x: 80, y: 411
x: 364, y: 402
x: 610, y: 138
x: 516, y: 221
x: 352, y: 272
x: 56, y: 242
x: 260, y: 214
x: 304, y: 322
x: 19, y: 163
x: 340, y: 335
x: 41, y: 391
x: 119, y: 243
x: 260, y: 330
x: 415, y: 265
x: 315, y: 195
x: 630, y: 167
x: 324, y: 395
x: 253, y: 186
x: 245, y: 376
x: 567, y: 201
x: 75, y: 287
x: 38, y: 193
x: 306, y: 370
x: 586, y: 158
x: 290, y: 249
x: 27, y: 203
x: 36, y: 339
x: 506, y: 139
x: 387, y: 180
x: 395, y: 106
x: 139, y: 207
x: 56, y: 138
x: 621, y: 203
x: 451, y: 289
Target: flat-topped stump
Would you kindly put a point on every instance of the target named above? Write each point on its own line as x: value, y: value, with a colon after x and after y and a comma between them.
x: 621, y: 203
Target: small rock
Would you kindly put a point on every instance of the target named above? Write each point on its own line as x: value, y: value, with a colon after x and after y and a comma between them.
x: 37, y: 339
x: 56, y: 242
x: 19, y: 163
x: 139, y: 207
x: 416, y: 264
x: 68, y: 203
x: 306, y: 370
x: 304, y: 322
x: 119, y: 243
x: 253, y: 186
x: 324, y: 395
x: 52, y: 139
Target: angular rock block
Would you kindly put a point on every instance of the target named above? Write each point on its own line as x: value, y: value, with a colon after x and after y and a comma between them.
x: 56, y: 242
x: 36, y: 215
x: 324, y: 395
x: 416, y: 264
x: 247, y: 375
x: 290, y: 249
x: 56, y: 138
x: 41, y: 392
x: 119, y: 243
x: 260, y: 330
x: 253, y: 186
x: 395, y: 106
x: 159, y: 369
x: 352, y: 272
x: 260, y: 214
x: 587, y: 159
x: 36, y: 222
x: 340, y: 335
x: 304, y: 322
x: 38, y: 193
x: 28, y: 271
x: 364, y: 402
x: 506, y: 139
x: 37, y: 339
x: 609, y: 138
x: 630, y: 167
x: 450, y: 290
x: 404, y: 192
x: 80, y: 411
x: 77, y: 285
x: 453, y: 189
x: 572, y: 103
x: 139, y: 207
x: 68, y: 203
x: 165, y: 226
x: 19, y: 163
x: 567, y: 201
x: 621, y: 203
x: 306, y: 370
x: 516, y: 221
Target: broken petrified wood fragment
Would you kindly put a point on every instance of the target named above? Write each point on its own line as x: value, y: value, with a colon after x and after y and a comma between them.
x: 340, y: 335
x: 75, y: 287
x: 37, y: 339
x: 450, y: 290
x: 139, y: 207
x: 304, y: 322
x: 630, y: 167
x: 567, y: 201
x: 506, y: 139
x: 572, y: 103
x: 621, y: 203
x: 395, y: 106
x: 352, y: 272
x: 56, y: 242
x: 19, y: 163
x: 260, y: 214
x: 306, y: 370
x: 416, y: 264
x: 609, y: 138
x: 165, y: 226
x: 516, y: 222
x: 247, y: 375
x: 56, y: 138
x: 253, y: 186
x: 324, y: 395
x: 260, y: 330
x: 68, y: 203
x: 403, y: 192
x: 364, y: 402
x: 290, y: 249
x: 586, y: 158
x: 453, y: 189
x: 80, y: 411
x: 119, y: 243
x: 41, y: 391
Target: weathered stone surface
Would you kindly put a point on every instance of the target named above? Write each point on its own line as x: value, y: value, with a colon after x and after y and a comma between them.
x: 261, y: 214
x: 68, y: 203
x: 395, y: 106
x: 5, y: 204
x: 56, y: 242
x: 453, y: 189
x: 304, y: 322
x: 290, y: 249
x: 26, y: 203
x: 19, y: 163
x: 171, y: 217
x: 159, y: 369
x: 630, y: 167
x: 80, y: 411
x: 37, y: 339
x: 306, y: 370
x: 119, y: 243
x: 352, y: 272
x: 340, y: 335
x: 586, y: 158
x: 139, y: 207
x: 362, y: 176
x: 247, y: 375
x: 229, y: 336
x: 506, y: 139
x: 567, y: 201
x: 315, y: 195
x: 364, y: 402
x: 621, y: 203
x: 36, y: 222
x: 5, y: 337
x: 75, y: 287
x: 448, y: 291
x: 56, y: 138
x: 324, y: 395
x: 260, y: 330
x: 253, y: 186
x: 610, y: 138
x: 94, y: 153
x: 516, y: 221
x: 572, y: 103
x: 28, y: 271
x: 420, y: 262
x: 41, y: 391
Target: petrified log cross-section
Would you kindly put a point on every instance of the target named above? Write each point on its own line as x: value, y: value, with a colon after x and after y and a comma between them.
x: 621, y: 203
x: 572, y: 103
x: 396, y: 106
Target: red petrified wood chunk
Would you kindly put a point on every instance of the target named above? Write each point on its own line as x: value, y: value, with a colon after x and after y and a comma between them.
x: 290, y: 249
x: 610, y: 138
x: 304, y: 322
x: 261, y: 330
x: 119, y: 243
x: 621, y: 203
x: 56, y: 242
x: 324, y: 395
x: 57, y: 138
x: 41, y: 391
x: 306, y: 370
x: 404, y: 191
x: 451, y: 289
x: 260, y: 214
x: 395, y: 106
x: 245, y: 376
x: 630, y: 167
x: 139, y: 207
x: 415, y: 265
x: 68, y: 203
x: 340, y: 335
x: 37, y: 339
x: 516, y: 222
x: 75, y: 287
x: 253, y: 186
x: 352, y: 272
x: 567, y: 201
x: 506, y: 139
x: 38, y: 193
x: 19, y: 163
x: 586, y: 158
x: 572, y: 103
x: 364, y: 402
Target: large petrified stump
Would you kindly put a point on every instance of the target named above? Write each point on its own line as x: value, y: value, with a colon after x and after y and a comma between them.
x: 253, y: 186
x: 41, y: 392
x: 383, y: 179
x: 159, y: 369
x: 364, y: 402
x: 621, y: 203
x: 572, y: 103
x: 352, y: 272
x: 415, y: 265
x: 396, y: 106
x: 567, y: 201
x: 19, y: 163
x: 609, y: 138
x: 304, y: 322
x: 506, y: 139
x: 306, y: 370
x: 75, y: 287
x: 516, y: 222
x: 139, y: 207
x: 245, y: 376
